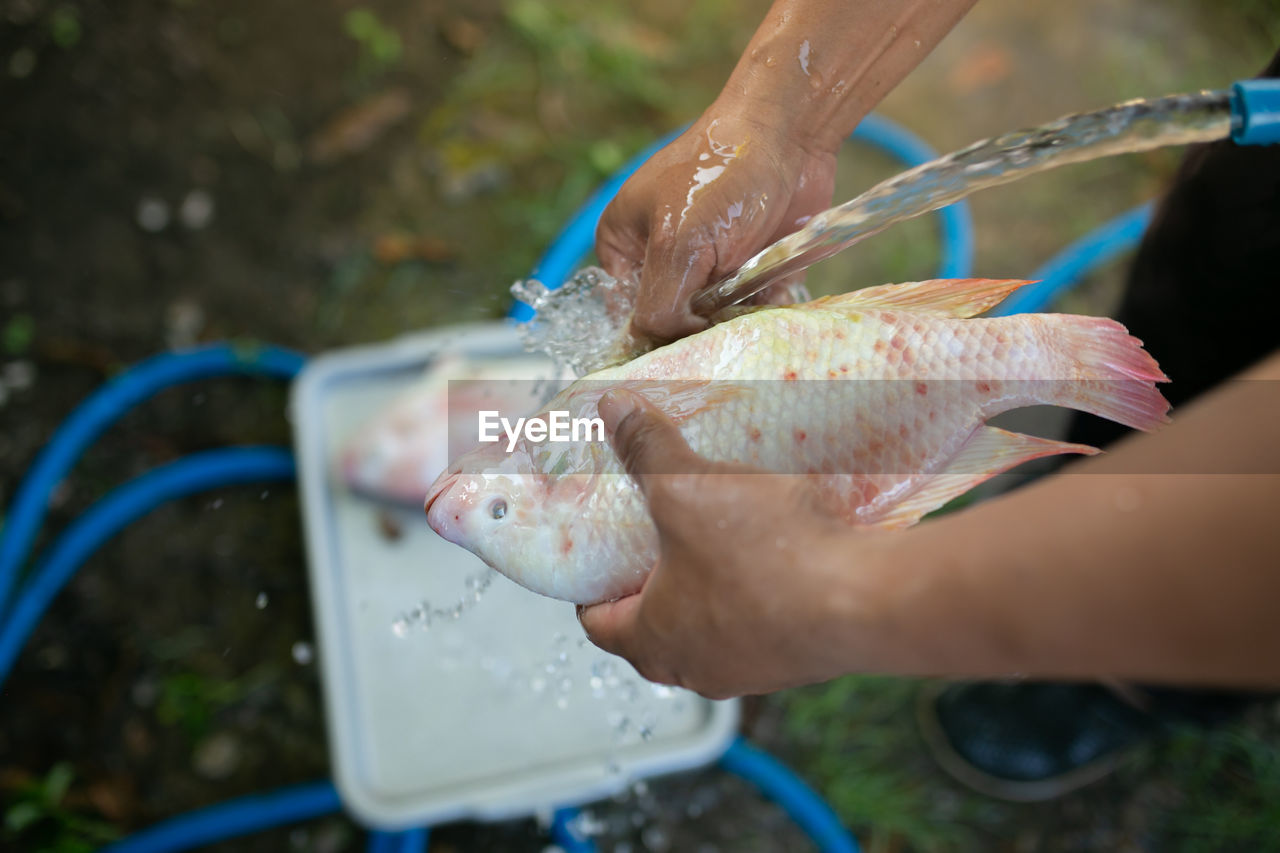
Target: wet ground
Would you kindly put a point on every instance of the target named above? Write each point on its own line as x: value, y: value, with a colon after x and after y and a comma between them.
x: 318, y: 174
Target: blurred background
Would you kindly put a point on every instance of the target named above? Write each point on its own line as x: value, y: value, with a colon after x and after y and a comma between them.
x: 319, y: 173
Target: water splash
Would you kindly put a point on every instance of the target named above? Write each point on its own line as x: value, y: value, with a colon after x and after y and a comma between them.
x: 426, y: 614
x: 586, y: 324
x: 583, y: 325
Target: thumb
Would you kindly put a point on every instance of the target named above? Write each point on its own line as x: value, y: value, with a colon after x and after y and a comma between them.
x: 611, y: 624
x: 647, y: 442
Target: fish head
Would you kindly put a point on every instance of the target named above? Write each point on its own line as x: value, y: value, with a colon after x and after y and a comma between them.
x: 551, y: 530
x: 496, y: 505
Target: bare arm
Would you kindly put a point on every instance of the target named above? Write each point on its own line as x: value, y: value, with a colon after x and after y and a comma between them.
x: 761, y: 159
x: 1165, y: 577
x: 1159, y: 561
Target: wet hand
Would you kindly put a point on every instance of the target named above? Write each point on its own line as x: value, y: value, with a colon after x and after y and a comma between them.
x: 754, y: 584
x: 729, y: 186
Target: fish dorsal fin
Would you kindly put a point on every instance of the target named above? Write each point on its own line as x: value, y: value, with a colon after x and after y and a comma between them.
x: 944, y: 297
x: 988, y: 452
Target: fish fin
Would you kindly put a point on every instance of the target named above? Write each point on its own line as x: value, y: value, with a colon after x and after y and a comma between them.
x: 989, y: 451
x: 1116, y: 375
x: 943, y: 297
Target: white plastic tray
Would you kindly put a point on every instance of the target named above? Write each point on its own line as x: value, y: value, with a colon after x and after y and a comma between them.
x: 472, y: 717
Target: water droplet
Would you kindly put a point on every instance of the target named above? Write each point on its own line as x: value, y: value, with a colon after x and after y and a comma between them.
x: 152, y: 214
x: 302, y: 653
x: 655, y: 838
x: 261, y: 601
x: 196, y: 210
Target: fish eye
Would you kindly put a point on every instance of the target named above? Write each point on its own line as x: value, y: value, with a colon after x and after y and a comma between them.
x: 498, y: 509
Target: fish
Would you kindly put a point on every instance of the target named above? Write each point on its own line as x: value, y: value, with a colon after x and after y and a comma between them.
x: 879, y: 397
x: 395, y: 455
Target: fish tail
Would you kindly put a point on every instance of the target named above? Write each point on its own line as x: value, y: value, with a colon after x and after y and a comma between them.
x: 1117, y: 376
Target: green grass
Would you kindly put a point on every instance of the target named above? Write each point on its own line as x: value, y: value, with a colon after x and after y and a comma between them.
x: 1193, y: 791
x: 37, y: 818
x: 855, y: 738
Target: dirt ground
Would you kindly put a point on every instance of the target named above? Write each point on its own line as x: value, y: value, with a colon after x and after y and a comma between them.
x: 325, y: 173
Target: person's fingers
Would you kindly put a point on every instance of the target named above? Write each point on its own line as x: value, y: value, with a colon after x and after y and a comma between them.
x: 612, y: 624
x: 647, y: 442
x: 621, y: 237
x: 676, y: 266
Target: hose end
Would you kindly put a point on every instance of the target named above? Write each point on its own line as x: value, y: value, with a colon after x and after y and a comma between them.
x: 1255, y: 112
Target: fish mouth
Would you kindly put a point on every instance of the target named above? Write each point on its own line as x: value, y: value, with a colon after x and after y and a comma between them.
x: 442, y: 484
x: 439, y: 518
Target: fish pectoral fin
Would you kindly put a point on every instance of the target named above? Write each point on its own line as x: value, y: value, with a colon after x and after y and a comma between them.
x: 988, y: 452
x: 943, y: 297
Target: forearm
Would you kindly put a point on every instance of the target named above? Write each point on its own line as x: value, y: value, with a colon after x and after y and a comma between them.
x: 819, y: 66
x: 1116, y: 569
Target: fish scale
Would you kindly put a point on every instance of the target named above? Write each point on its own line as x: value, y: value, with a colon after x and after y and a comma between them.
x: 879, y: 397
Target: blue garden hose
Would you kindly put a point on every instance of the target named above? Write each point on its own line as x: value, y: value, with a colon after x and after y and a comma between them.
x: 1064, y: 269
x: 1257, y: 113
x: 103, y: 408
x: 407, y: 841
x: 233, y: 818
x: 566, y: 836
x: 196, y: 473
x: 801, y: 803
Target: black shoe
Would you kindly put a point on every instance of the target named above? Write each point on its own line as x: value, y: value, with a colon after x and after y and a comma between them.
x: 1029, y: 741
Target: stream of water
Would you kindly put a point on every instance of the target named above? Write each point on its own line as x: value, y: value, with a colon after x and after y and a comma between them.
x: 585, y: 324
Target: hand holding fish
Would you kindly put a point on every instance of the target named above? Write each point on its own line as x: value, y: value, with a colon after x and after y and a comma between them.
x: 740, y: 600
x: 702, y: 206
